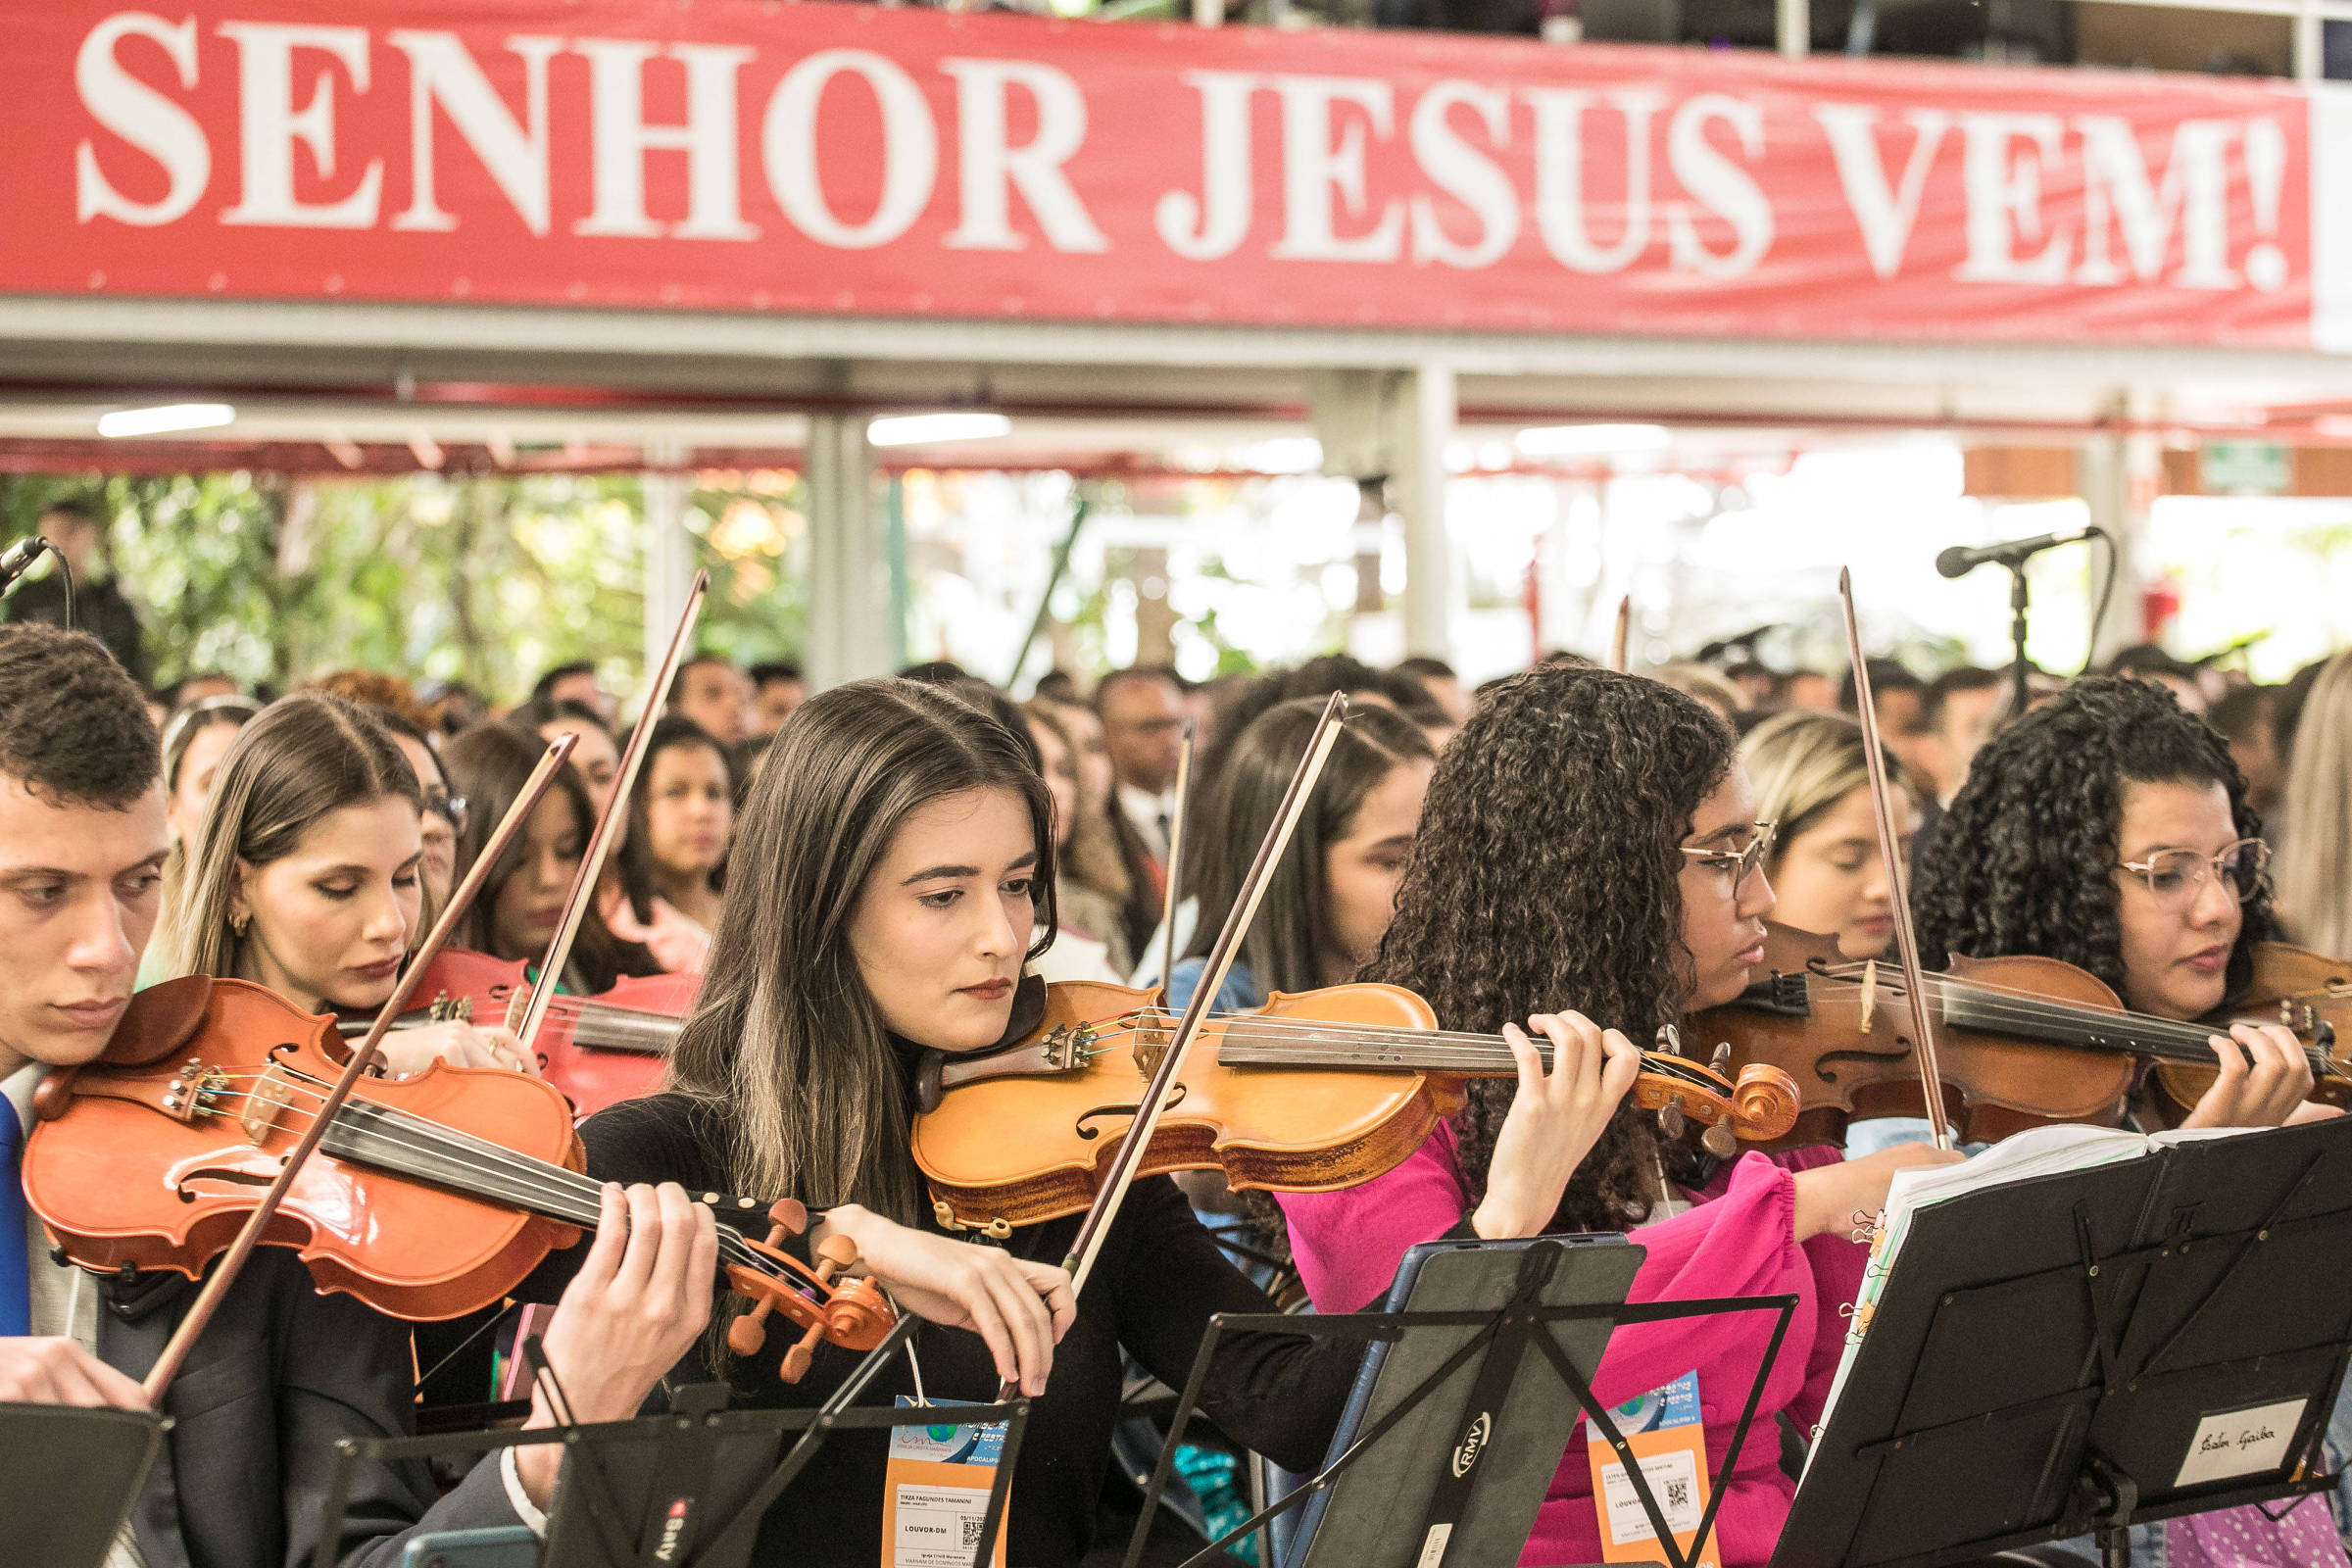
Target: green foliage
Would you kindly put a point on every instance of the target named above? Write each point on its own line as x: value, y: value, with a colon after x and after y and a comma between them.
x: 482, y: 580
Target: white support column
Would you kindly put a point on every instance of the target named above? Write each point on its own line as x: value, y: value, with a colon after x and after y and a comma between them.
x: 669, y: 548
x: 1422, y: 414
x: 1793, y: 26
x: 849, y: 586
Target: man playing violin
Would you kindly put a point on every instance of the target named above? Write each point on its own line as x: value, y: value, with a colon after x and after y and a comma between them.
x: 283, y: 1371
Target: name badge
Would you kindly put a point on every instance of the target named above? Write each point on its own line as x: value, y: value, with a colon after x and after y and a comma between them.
x: 935, y: 1491
x: 1663, y: 1429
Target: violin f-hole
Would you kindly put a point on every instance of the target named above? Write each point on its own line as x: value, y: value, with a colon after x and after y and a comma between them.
x: 1127, y: 1112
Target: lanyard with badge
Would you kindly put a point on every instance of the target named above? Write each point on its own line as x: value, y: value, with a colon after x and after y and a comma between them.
x: 936, y: 1485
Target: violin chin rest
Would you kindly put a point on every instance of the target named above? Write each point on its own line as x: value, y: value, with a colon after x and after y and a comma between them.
x: 159, y: 1021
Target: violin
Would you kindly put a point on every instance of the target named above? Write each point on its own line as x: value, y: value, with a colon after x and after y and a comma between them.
x: 1322, y: 1090
x: 2309, y: 993
x: 2021, y: 1042
x: 597, y: 1049
x: 430, y: 1197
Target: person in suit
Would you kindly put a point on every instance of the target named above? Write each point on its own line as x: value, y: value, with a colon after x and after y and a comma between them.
x: 283, y: 1372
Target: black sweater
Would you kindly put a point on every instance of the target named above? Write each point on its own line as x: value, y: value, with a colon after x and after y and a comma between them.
x: 1153, y: 1288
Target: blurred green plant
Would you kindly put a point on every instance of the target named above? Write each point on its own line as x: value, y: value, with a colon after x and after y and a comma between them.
x: 482, y: 580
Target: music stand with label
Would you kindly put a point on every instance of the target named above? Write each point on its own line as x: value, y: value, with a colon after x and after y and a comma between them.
x: 1429, y: 1443
x: 2074, y: 1354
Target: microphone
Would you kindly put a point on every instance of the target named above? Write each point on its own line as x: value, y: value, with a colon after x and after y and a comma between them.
x: 18, y: 558
x: 1959, y: 560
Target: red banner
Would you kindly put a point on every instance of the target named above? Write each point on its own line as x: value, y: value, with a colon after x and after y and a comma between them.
x: 820, y: 158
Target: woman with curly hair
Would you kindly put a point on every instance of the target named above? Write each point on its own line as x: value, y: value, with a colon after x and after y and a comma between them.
x: 2109, y: 829
x: 1588, y: 842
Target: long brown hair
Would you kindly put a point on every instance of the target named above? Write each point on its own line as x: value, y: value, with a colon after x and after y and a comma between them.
x: 300, y: 759
x: 1546, y: 876
x: 786, y: 1047
x: 2315, y: 858
x: 1285, y: 944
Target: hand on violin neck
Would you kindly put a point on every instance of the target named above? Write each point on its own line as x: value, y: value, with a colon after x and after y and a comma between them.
x: 1554, y: 1120
x: 630, y: 1315
x: 1019, y: 1309
x: 45, y: 1371
x: 1829, y: 1197
x: 2263, y: 1081
x: 408, y: 1052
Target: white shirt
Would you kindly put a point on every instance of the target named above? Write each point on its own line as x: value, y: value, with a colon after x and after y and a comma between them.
x: 1150, y: 814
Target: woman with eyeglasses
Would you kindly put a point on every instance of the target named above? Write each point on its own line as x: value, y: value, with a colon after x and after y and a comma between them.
x: 1588, y: 866
x: 306, y: 876
x: 2109, y: 829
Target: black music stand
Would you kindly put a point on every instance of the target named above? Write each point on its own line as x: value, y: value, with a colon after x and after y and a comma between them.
x: 2049, y: 1357
x: 70, y: 1478
x: 623, y: 1479
x: 1502, y: 1338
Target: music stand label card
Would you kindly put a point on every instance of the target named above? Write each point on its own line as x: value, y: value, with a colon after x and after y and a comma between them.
x: 935, y: 1492
x: 1664, y: 1430
x: 2241, y: 1442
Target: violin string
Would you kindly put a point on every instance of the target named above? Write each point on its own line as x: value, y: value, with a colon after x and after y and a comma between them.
x: 561, y: 1194
x: 2166, y: 1039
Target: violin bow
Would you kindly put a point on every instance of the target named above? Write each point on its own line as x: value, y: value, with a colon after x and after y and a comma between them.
x: 1621, y: 635
x: 1167, y: 900
x: 607, y: 826
x: 1095, y: 1227
x: 1898, y: 877
x: 362, y: 1056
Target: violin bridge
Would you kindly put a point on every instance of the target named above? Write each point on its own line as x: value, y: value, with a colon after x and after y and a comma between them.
x: 272, y: 1093
x: 1150, y: 1045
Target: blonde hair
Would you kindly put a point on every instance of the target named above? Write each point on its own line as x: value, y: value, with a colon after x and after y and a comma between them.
x: 2315, y: 851
x: 1801, y: 764
x: 1703, y: 685
x: 303, y: 756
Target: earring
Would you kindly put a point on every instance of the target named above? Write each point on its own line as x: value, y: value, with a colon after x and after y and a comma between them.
x: 238, y: 922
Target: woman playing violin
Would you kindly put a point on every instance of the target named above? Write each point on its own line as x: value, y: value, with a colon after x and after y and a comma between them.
x: 519, y: 907
x: 1589, y: 840
x: 893, y: 877
x: 304, y: 876
x: 2109, y: 829
x: 1811, y: 779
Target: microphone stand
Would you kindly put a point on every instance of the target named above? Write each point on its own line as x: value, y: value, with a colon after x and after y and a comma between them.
x: 2019, y: 694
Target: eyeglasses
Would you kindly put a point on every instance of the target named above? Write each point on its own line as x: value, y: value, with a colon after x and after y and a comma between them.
x: 1738, y: 863
x: 449, y: 809
x: 2178, y: 876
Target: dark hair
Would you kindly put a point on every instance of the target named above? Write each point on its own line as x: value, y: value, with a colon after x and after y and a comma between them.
x: 541, y: 712
x: 700, y: 660
x: 2022, y: 860
x: 1293, y: 928
x: 1318, y: 677
x: 78, y: 509
x: 489, y: 765
x: 73, y: 727
x: 1886, y: 675
x: 775, y: 670
x: 547, y: 682
x: 1959, y: 678
x: 1133, y: 673
x: 2241, y: 711
x: 786, y: 1047
x: 2146, y: 658
x: 1547, y: 875
x: 1420, y: 665
x: 181, y: 728
x: 936, y: 672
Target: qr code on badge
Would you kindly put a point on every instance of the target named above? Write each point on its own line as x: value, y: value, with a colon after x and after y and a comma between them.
x: 971, y: 1529
x: 1678, y: 1495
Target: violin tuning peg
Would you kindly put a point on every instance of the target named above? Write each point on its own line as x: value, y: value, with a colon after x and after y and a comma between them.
x: 839, y: 1251
x: 748, y: 1333
x: 1722, y: 1061
x: 1670, y: 1122
x: 1670, y: 1039
x: 795, y: 1362
x: 1718, y: 1140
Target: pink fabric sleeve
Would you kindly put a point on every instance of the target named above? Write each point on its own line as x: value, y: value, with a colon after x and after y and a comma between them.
x: 1347, y: 1244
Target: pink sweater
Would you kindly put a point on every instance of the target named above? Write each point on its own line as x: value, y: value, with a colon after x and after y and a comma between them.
x: 1739, y: 1240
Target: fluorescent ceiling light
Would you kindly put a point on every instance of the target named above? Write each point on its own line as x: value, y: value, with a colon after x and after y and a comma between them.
x: 1591, y: 440
x: 171, y: 416
x: 920, y: 429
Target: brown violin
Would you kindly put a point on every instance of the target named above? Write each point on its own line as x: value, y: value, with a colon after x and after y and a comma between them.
x: 1322, y: 1090
x: 2307, y: 992
x: 2021, y: 1042
x: 430, y: 1197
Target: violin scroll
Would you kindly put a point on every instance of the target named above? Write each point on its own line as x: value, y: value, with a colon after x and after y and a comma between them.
x: 828, y: 1303
x: 1762, y: 1105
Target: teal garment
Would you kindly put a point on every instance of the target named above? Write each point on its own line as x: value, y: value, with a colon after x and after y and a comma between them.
x: 1239, y: 994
